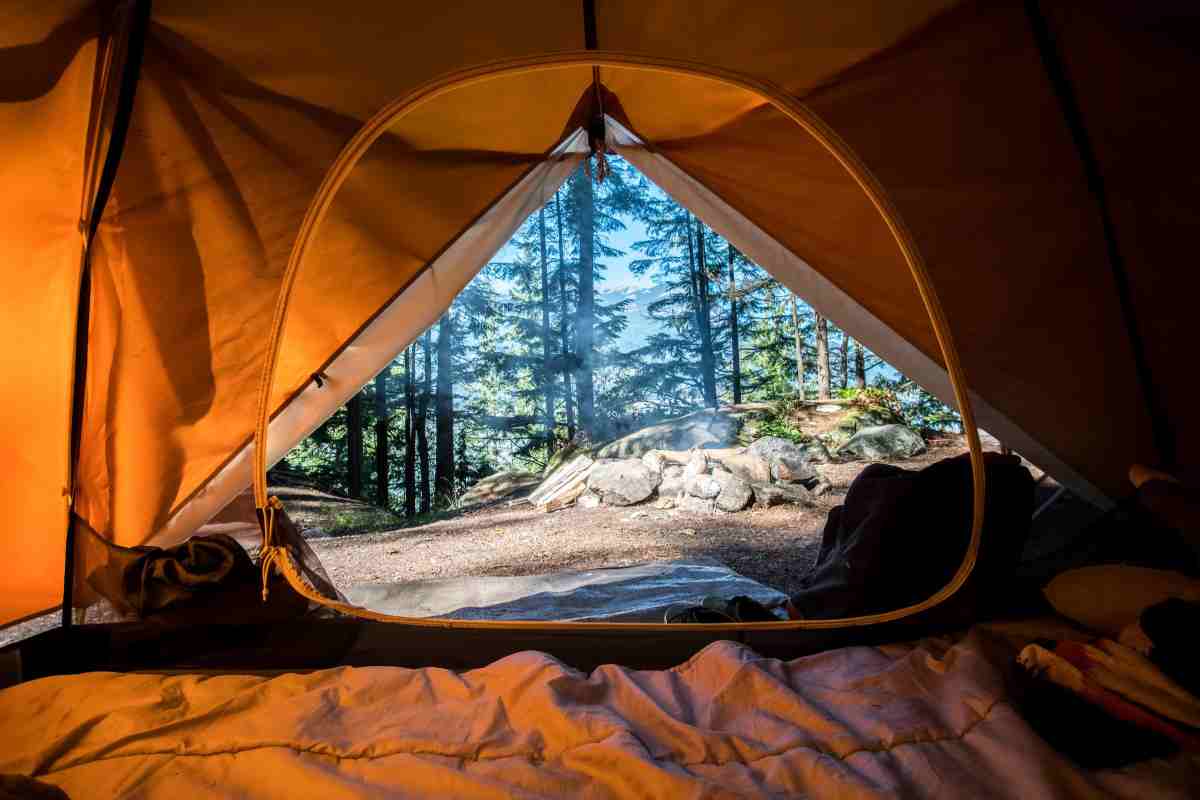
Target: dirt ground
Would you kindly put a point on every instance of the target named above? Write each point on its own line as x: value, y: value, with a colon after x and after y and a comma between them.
x: 774, y: 546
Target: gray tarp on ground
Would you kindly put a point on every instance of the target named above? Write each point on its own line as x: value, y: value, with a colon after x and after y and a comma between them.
x: 639, y: 593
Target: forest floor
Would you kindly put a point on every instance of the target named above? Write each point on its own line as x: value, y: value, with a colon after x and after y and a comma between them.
x: 775, y: 546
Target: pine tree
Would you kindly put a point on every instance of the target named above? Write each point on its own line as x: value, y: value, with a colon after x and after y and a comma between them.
x: 703, y: 306
x: 382, y: 495
x: 410, y: 472
x: 585, y: 308
x: 445, y: 482
x: 734, y: 328
x: 860, y: 369
x: 422, y: 419
x: 844, y: 373
x: 548, y: 377
x: 354, y: 444
x: 822, y: 358
x: 799, y: 348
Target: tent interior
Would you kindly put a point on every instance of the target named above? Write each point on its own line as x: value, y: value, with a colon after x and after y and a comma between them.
x: 230, y: 218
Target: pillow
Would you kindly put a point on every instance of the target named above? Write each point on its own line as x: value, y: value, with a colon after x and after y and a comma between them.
x: 1109, y: 597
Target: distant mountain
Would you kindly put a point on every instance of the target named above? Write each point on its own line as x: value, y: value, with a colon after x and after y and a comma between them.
x: 641, y: 325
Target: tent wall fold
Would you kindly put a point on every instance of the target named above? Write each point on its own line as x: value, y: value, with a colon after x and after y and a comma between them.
x: 48, y: 57
x: 834, y: 304
x: 393, y: 328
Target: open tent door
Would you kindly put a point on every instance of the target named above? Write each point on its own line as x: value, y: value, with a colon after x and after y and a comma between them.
x: 307, y: 257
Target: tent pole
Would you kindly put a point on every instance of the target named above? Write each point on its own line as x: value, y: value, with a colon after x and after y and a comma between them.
x: 1056, y: 72
x: 136, y: 23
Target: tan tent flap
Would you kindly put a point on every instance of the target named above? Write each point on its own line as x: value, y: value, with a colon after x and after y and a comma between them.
x: 1132, y: 66
x: 47, y: 64
x: 832, y: 302
x: 399, y: 322
x: 988, y: 180
x: 213, y: 204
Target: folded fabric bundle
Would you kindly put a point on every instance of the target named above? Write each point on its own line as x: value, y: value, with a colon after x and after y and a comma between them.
x: 1123, y: 683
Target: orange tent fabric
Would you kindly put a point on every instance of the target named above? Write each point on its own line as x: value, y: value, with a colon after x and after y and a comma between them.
x: 242, y: 108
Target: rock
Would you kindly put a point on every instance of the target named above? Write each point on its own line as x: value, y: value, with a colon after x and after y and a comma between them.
x: 687, y: 502
x: 707, y: 428
x: 622, y: 482
x: 883, y: 442
x: 786, y: 459
x: 829, y: 408
x: 773, y: 494
x: 588, y: 499
x: 654, y: 461
x: 748, y: 467
x: 664, y: 503
x: 735, y: 493
x: 673, y: 482
x: 704, y: 487
x: 501, y: 486
x: 697, y: 465
x: 638, y: 515
x: 815, y: 452
x: 823, y: 487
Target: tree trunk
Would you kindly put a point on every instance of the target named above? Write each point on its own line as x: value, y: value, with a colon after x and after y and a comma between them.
x: 844, y: 377
x: 568, y: 402
x: 422, y: 419
x: 799, y: 348
x: 707, y: 356
x: 860, y: 368
x: 548, y: 377
x: 354, y: 444
x: 585, y: 311
x: 444, y: 485
x: 382, y: 496
x: 699, y: 270
x: 410, y: 461
x: 822, y: 358
x: 735, y: 346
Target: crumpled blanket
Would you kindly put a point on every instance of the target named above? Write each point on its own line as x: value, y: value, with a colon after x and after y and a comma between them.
x: 864, y: 722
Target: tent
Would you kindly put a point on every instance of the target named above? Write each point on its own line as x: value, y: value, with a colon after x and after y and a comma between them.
x: 167, y: 163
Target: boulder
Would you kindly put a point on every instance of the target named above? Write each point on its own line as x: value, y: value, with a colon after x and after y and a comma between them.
x: 686, y: 502
x: 588, y: 499
x: 773, y: 494
x: 622, y: 482
x: 815, y: 452
x: 748, y: 467
x: 697, y: 465
x: 883, y: 442
x: 654, y: 461
x: 704, y: 487
x: 786, y: 458
x: 735, y: 493
x: 673, y: 482
x: 664, y: 503
x: 705, y: 429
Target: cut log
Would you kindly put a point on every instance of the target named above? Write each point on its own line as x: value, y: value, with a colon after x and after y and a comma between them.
x: 566, y: 496
x: 561, y: 477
